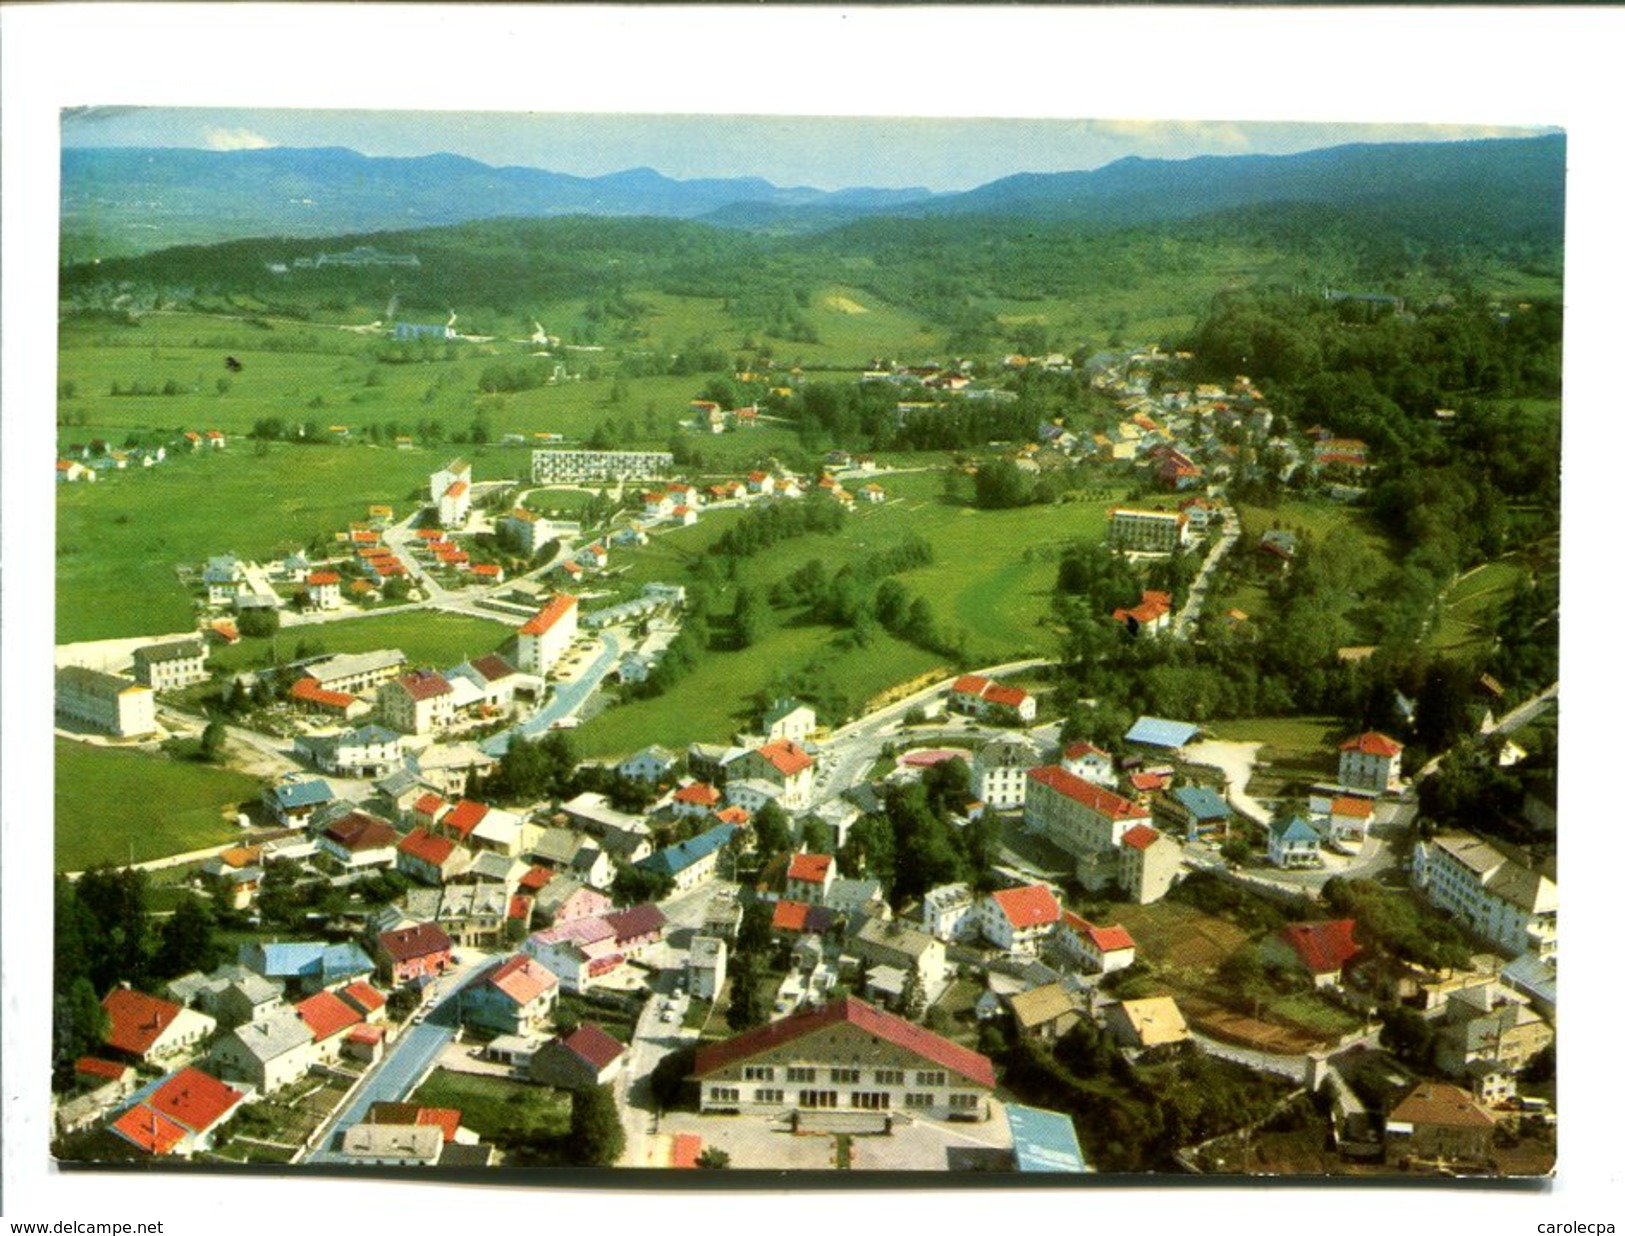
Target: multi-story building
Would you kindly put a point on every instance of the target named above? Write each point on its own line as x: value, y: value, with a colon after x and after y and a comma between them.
x: 107, y: 702
x: 353, y: 673
x: 846, y: 1056
x: 1148, y: 863
x: 982, y: 697
x: 1147, y: 531
x: 1492, y: 890
x: 949, y: 912
x: 543, y: 640
x: 550, y: 466
x: 171, y: 666
x: 784, y: 765
x: 1077, y: 815
x: 999, y: 771
x: 707, y: 966
x: 418, y: 702
x: 1019, y: 920
x: 1370, y: 761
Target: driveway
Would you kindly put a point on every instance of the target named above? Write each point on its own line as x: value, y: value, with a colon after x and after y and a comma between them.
x: 567, y: 699
x: 1236, y: 761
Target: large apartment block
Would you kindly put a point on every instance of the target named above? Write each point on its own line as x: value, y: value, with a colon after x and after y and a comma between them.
x: 1149, y: 531
x: 107, y: 702
x: 549, y: 466
x: 1494, y: 893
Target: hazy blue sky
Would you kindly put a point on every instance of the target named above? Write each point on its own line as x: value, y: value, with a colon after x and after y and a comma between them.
x: 938, y: 154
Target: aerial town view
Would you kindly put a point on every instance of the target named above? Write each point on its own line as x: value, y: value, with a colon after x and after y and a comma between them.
x: 556, y: 671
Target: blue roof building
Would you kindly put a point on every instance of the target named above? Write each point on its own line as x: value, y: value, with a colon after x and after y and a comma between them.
x: 1198, y: 809
x: 1160, y: 732
x: 1294, y: 843
x: 294, y: 799
x: 1043, y: 1141
x: 309, y: 965
x: 689, y: 862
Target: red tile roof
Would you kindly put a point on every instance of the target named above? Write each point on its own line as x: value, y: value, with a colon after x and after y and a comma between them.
x: 465, y: 817
x: 372, y: 1035
x: 318, y: 578
x: 107, y: 1070
x: 456, y: 489
x: 1373, y: 743
x: 364, y: 996
x: 737, y: 816
x: 1350, y: 805
x: 135, y: 1019
x: 594, y: 1046
x: 1104, y: 939
x: 326, y: 1014
x: 698, y: 793
x: 549, y: 615
x: 970, y: 684
x: 798, y: 916
x: 310, y: 691
x: 519, y: 907
x: 536, y: 878
x: 1434, y: 1103
x: 359, y: 831
x: 1324, y: 948
x: 427, y: 847
x: 813, y: 868
x: 194, y: 1100
x: 423, y: 685
x: 407, y: 943
x: 1004, y: 697
x: 1140, y: 837
x: 1149, y: 780
x: 148, y: 1130
x: 785, y: 756
x: 448, y: 1118
x: 521, y: 979
x: 1032, y: 906
x: 1077, y: 750
x: 428, y: 804
x: 972, y: 1066
x: 635, y: 921
x: 1096, y: 798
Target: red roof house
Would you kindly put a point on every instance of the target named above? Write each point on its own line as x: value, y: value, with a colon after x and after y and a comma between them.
x: 1322, y: 948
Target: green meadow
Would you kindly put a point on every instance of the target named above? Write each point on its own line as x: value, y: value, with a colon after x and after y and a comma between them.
x: 112, y: 805
x: 427, y: 637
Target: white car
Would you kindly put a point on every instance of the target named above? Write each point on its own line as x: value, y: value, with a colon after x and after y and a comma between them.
x: 668, y: 1015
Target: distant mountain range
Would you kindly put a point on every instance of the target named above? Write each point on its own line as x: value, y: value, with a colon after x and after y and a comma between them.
x: 123, y: 200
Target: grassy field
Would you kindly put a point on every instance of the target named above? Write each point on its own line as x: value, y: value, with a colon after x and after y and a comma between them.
x: 494, y: 1105
x: 713, y: 702
x: 111, y: 805
x: 426, y: 637
x: 1466, y: 618
x: 1297, y: 745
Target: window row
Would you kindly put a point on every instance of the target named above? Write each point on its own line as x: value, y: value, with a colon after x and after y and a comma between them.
x: 802, y: 1074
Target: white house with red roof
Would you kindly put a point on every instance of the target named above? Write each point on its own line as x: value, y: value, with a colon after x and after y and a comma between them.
x: 1152, y: 616
x: 581, y: 952
x: 514, y: 996
x: 360, y: 839
x: 324, y: 588
x: 782, y: 763
x: 1077, y: 815
x: 1348, y: 819
x: 809, y: 877
x: 847, y: 1057
x: 1370, y: 761
x: 1098, y: 948
x: 544, y: 639
x: 417, y: 702
x: 1019, y: 920
x: 330, y: 1017
x: 658, y: 505
x: 429, y: 858
x: 457, y: 472
x: 1322, y: 949
x: 983, y: 697
x: 180, y: 1115
x: 152, y: 1030
x: 697, y: 799
x: 1092, y: 763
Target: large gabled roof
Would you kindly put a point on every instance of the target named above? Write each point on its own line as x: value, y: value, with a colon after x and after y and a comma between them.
x: 1373, y: 743
x: 135, y: 1020
x: 1086, y: 793
x: 1324, y: 947
x: 967, y: 1064
x: 1032, y: 906
x: 549, y: 615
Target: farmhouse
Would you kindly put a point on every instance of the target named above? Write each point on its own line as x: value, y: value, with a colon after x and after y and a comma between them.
x: 982, y: 697
x: 178, y: 1115
x: 117, y: 706
x: 845, y: 1056
x: 150, y: 1030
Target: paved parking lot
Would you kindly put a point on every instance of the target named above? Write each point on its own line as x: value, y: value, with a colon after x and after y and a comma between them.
x: 914, y: 1146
